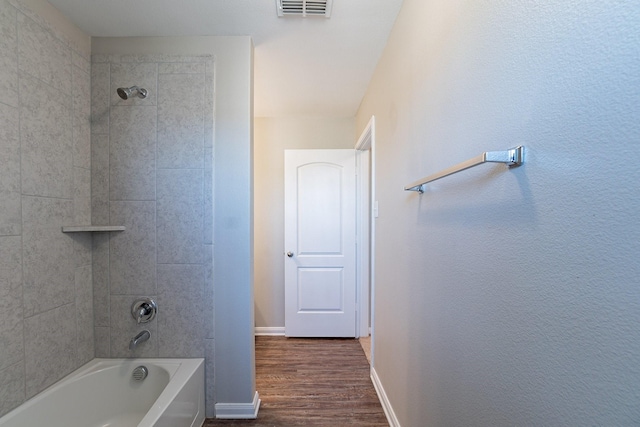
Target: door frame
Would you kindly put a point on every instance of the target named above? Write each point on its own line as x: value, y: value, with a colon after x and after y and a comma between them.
x: 366, y: 209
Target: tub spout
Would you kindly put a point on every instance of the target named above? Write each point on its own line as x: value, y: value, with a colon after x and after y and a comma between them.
x: 141, y: 337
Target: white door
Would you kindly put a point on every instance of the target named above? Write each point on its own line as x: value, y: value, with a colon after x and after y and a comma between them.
x: 320, y: 240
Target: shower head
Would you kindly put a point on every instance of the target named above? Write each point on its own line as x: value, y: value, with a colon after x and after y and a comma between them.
x: 130, y: 92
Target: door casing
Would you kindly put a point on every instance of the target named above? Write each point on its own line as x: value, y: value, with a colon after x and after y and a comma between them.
x: 367, y: 213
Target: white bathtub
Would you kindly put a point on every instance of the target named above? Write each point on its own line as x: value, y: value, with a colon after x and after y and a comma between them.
x: 103, y: 393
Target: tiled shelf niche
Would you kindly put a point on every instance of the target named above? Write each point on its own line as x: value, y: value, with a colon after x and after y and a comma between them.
x: 99, y: 228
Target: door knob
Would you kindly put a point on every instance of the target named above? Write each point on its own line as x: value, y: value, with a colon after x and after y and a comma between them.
x: 290, y: 254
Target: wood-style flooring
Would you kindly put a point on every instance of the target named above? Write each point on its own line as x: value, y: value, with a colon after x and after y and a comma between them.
x: 312, y: 382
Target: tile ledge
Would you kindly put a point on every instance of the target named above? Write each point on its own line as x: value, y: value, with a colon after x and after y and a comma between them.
x: 80, y: 228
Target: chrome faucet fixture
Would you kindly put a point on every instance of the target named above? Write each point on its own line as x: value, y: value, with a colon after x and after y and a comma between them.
x: 140, y: 338
x: 130, y: 92
x: 144, y: 310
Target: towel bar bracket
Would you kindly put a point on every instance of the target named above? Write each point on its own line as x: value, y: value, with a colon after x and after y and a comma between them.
x: 511, y: 157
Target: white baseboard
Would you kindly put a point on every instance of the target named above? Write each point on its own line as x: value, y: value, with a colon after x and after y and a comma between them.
x: 270, y: 330
x: 239, y: 411
x: 384, y: 400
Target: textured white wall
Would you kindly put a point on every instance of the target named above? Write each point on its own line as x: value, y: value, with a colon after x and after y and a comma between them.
x: 272, y: 137
x: 509, y: 297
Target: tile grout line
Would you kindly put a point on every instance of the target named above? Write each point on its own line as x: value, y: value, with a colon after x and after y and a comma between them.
x: 22, y: 269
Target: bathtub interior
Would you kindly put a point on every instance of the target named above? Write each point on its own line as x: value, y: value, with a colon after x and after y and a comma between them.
x: 104, y: 393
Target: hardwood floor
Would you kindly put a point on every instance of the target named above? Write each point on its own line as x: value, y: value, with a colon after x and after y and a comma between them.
x: 365, y: 343
x: 312, y: 382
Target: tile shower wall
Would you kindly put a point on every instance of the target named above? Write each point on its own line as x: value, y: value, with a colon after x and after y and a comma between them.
x: 46, y: 318
x: 152, y: 172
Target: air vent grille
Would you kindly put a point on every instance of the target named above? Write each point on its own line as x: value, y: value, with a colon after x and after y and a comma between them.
x: 304, y: 8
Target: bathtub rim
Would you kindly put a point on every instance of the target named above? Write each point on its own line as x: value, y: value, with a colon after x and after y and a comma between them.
x: 180, y: 371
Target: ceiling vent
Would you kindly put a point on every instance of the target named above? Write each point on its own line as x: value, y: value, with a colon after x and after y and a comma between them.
x: 304, y: 8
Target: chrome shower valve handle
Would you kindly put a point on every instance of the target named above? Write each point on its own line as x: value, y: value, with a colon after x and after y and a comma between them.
x: 144, y: 310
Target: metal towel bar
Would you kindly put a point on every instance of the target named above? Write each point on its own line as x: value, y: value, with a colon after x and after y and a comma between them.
x: 511, y: 157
